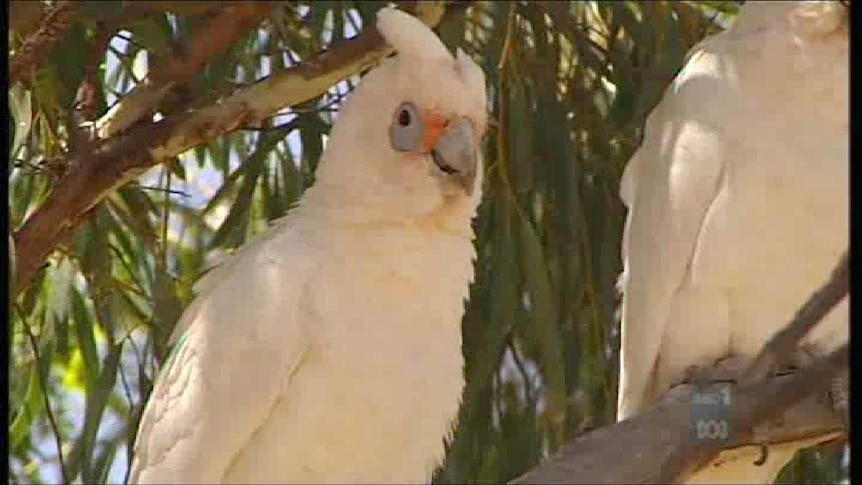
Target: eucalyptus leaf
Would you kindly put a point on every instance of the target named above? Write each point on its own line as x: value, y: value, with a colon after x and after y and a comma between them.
x: 22, y: 118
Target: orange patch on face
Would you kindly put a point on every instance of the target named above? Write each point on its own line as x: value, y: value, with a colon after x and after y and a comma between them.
x: 434, y: 124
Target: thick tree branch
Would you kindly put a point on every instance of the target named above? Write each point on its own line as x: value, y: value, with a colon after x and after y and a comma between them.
x: 221, y: 33
x: 757, y: 403
x: 658, y: 446
x: 760, y: 402
x: 36, y: 48
x: 639, y: 449
x: 225, y: 29
x: 115, y: 161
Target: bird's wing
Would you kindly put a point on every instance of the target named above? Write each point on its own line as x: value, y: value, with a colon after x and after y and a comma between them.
x: 668, y: 186
x: 244, y: 336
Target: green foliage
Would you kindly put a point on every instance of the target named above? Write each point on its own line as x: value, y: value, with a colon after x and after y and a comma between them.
x: 570, y: 85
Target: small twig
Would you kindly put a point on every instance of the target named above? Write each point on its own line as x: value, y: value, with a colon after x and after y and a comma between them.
x: 284, y: 127
x: 164, y: 190
x: 130, y: 40
x: 44, y: 387
x: 127, y: 62
x: 336, y: 98
x: 507, y: 43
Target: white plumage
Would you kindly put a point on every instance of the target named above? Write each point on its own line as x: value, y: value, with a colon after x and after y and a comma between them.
x: 329, y: 349
x: 738, y: 206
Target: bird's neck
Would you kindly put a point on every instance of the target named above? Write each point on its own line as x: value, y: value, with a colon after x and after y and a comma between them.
x: 451, y: 217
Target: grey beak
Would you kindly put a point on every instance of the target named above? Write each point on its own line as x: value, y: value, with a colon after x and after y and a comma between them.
x: 457, y: 155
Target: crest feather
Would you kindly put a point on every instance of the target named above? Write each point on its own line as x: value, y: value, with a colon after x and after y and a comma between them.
x: 409, y: 36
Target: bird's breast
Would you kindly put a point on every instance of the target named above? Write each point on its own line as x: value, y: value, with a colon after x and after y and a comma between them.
x: 777, y: 229
x: 381, y: 384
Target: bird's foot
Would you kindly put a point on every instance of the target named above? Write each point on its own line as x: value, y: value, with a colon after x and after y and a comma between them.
x: 764, y: 455
x: 727, y: 369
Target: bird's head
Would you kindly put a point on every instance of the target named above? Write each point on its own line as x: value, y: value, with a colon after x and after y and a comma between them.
x: 406, y: 145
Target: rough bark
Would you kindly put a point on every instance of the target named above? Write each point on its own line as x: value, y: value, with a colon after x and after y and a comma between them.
x: 640, y: 449
x: 39, y: 45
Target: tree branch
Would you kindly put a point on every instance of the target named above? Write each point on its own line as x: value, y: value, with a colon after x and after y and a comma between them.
x: 221, y: 32
x: 38, y: 46
x: 756, y: 404
x: 24, y: 16
x: 115, y: 161
x: 658, y: 446
x: 639, y: 449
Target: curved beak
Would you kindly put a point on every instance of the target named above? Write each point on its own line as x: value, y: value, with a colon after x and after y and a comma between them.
x: 456, y: 154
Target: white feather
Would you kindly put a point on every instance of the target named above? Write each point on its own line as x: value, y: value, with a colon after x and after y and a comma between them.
x: 328, y: 350
x: 738, y: 206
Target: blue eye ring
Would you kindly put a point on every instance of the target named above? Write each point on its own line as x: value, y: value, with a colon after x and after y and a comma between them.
x: 406, y: 129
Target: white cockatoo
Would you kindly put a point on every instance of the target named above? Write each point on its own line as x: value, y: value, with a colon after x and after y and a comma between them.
x: 329, y: 349
x: 738, y: 208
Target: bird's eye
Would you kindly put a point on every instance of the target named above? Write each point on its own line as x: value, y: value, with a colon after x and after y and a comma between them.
x: 406, y: 130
